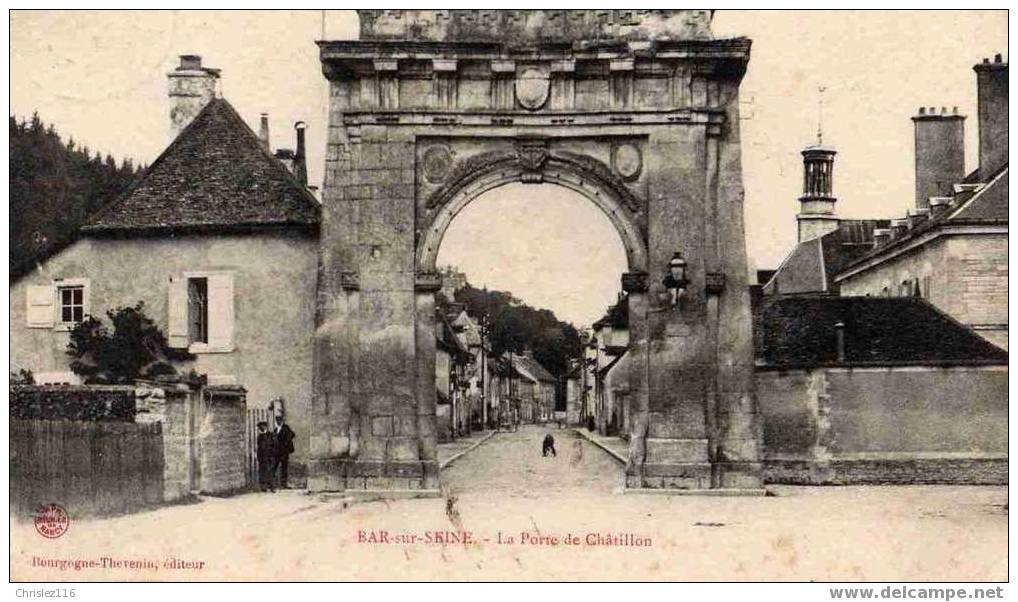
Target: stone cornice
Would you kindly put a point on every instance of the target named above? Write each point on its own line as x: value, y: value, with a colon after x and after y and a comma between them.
x: 725, y: 56
x: 520, y: 117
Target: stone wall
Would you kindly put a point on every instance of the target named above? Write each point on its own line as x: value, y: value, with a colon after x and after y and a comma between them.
x: 222, y: 444
x: 274, y: 299
x: 204, y: 445
x: 532, y: 25
x: 885, y: 425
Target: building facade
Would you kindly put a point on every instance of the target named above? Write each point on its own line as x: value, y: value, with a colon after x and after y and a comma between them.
x: 951, y: 246
x: 218, y: 240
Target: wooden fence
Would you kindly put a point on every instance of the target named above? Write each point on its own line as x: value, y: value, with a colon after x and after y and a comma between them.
x: 89, y: 468
x: 254, y: 416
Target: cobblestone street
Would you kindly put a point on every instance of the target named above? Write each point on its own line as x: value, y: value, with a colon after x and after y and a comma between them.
x: 521, y: 509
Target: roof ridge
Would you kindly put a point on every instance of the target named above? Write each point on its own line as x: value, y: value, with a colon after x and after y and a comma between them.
x: 978, y: 194
x: 151, y: 166
x: 215, y: 174
x: 257, y: 146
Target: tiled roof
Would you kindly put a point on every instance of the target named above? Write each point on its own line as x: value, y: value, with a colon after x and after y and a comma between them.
x: 533, y: 367
x: 988, y: 204
x: 215, y: 174
x: 812, y: 264
x: 799, y: 331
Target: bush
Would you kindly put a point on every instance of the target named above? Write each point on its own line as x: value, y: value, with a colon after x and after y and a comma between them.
x: 134, y: 348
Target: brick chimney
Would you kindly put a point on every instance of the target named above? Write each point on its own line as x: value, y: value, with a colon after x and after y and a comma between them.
x: 191, y: 87
x: 939, y: 153
x: 991, y: 84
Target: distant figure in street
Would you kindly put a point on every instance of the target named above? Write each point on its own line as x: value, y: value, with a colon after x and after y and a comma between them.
x: 548, y: 445
x: 266, y: 456
x: 284, y: 447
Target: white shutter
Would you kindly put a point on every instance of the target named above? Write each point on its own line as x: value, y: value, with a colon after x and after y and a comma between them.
x: 220, y: 312
x: 39, y: 310
x: 177, y: 331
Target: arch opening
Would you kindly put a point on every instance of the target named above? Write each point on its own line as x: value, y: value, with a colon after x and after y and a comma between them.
x: 546, y: 243
x: 618, y: 214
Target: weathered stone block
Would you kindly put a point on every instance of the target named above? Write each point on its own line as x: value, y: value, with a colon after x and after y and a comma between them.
x: 371, y: 448
x: 339, y: 445
x: 406, y: 424
x: 411, y: 469
x: 319, y: 445
x: 401, y: 448
x: 665, y: 451
x: 381, y: 426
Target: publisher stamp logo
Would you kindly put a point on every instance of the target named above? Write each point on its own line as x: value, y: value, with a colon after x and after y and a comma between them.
x: 51, y: 521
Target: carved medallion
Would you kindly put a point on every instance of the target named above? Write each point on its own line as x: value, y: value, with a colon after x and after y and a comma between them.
x: 437, y: 163
x: 532, y: 88
x: 627, y: 161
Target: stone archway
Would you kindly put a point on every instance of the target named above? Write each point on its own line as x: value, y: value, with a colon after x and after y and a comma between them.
x: 531, y: 162
x: 637, y: 112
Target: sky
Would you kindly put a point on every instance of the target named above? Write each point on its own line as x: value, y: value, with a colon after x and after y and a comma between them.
x: 101, y: 78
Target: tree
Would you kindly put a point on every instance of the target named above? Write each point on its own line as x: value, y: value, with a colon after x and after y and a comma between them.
x: 516, y: 327
x: 134, y: 347
x: 53, y: 188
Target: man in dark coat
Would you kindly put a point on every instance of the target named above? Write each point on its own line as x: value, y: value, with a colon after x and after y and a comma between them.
x: 284, y: 447
x: 266, y: 446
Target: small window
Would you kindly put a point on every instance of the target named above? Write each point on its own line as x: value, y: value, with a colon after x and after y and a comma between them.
x: 72, y: 304
x: 198, y: 310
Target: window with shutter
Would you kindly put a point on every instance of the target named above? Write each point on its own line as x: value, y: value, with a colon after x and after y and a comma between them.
x: 220, y: 309
x: 62, y: 304
x: 198, y: 310
x: 39, y: 306
x: 201, y: 312
x: 177, y: 335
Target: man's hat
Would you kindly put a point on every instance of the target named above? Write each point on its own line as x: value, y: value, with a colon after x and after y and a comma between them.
x: 263, y: 423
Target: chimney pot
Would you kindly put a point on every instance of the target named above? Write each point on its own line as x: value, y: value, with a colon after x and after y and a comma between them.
x: 922, y: 110
x: 839, y: 333
x: 939, y: 154
x: 263, y: 131
x: 191, y: 87
x: 992, y: 102
x: 300, y: 169
x: 190, y: 62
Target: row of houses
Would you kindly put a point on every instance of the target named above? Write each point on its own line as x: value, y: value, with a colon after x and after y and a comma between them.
x: 477, y: 389
x: 880, y: 344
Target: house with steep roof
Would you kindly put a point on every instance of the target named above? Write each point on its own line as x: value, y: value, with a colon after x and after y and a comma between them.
x: 217, y: 238
x: 950, y: 249
x: 542, y: 393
